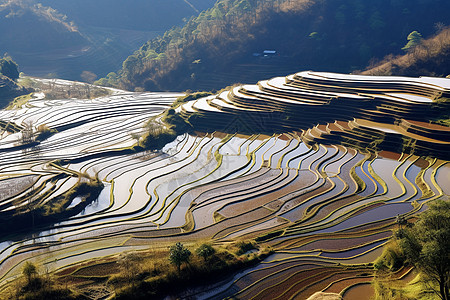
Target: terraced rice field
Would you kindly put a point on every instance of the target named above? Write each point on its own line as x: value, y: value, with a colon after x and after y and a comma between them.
x: 317, y: 166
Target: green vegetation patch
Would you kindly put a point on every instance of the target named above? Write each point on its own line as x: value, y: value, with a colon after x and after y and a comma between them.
x: 392, y: 258
x: 44, y: 132
x: 156, y: 137
x: 425, y: 245
x: 442, y: 100
x: 444, y: 122
x: 245, y: 247
x: 190, y: 57
x: 18, y: 102
x: 9, y: 68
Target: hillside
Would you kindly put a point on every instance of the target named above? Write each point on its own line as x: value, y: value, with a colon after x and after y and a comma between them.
x: 65, y: 38
x: 40, y: 28
x: 9, y: 90
x: 225, y: 44
x: 430, y: 58
x: 139, y: 15
x: 46, y: 40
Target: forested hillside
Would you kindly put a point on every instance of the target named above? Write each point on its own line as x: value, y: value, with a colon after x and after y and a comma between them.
x: 230, y: 39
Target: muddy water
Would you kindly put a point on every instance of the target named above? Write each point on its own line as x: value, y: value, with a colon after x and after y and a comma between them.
x: 443, y: 178
x: 352, y: 252
x: 384, y: 168
x: 378, y: 213
x: 362, y: 291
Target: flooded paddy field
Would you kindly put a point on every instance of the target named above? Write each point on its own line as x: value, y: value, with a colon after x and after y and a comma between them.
x: 324, y: 209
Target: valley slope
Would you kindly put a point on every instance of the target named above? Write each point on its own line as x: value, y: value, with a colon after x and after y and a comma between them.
x: 226, y: 44
x: 64, y: 38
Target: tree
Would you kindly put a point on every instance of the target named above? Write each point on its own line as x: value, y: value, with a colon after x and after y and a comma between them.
x: 130, y: 64
x: 426, y: 245
x: 376, y: 21
x: 179, y: 254
x: 205, y: 251
x: 30, y: 271
x: 414, y: 39
x: 401, y: 221
x: 9, y: 68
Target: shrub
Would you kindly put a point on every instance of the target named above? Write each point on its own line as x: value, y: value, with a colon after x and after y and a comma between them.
x: 30, y: 271
x: 157, y: 137
x: 414, y: 39
x: 205, y: 251
x: 244, y: 247
x: 44, y: 132
x: 391, y: 259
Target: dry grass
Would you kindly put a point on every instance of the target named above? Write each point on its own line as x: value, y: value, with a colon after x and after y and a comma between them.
x: 429, y: 58
x: 150, y: 273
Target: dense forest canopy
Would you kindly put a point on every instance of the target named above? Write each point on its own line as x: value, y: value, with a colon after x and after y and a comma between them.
x: 230, y: 38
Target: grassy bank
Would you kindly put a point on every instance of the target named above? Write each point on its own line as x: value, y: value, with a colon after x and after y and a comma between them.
x: 153, y: 273
x: 162, y: 279
x: 164, y: 128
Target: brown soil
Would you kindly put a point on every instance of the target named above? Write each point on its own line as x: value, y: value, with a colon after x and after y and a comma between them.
x: 320, y: 285
x: 340, y: 285
x: 362, y: 291
x: 298, y: 241
x: 291, y: 266
x: 274, y: 287
x: 290, y: 186
x: 243, y: 221
x: 422, y: 163
x: 325, y: 296
x: 329, y: 207
x: 428, y: 125
x: 304, y: 284
x: 298, y: 214
x: 342, y: 242
x: 102, y: 269
x: 390, y: 155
